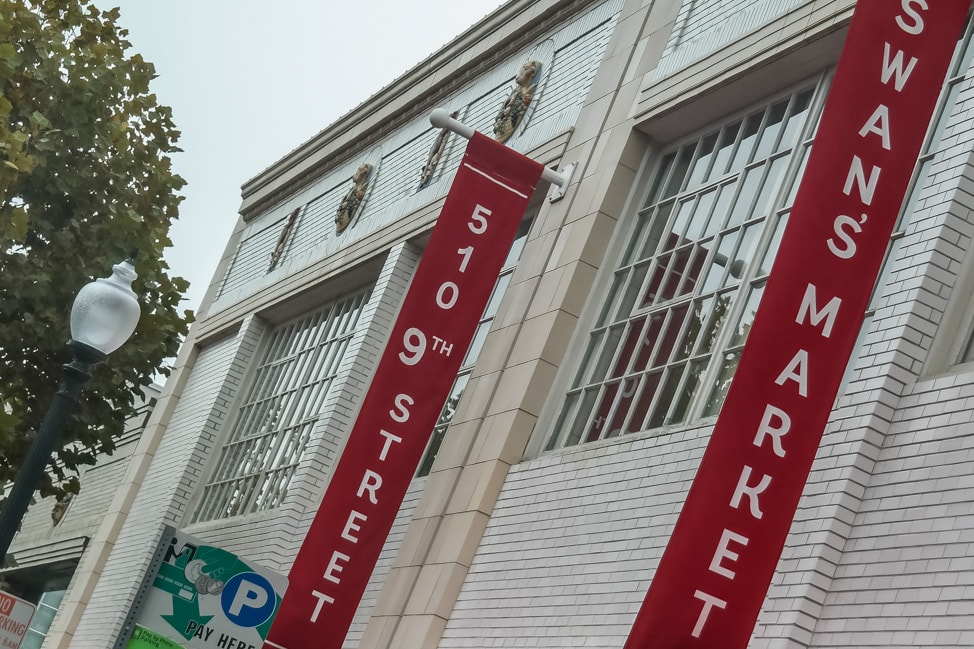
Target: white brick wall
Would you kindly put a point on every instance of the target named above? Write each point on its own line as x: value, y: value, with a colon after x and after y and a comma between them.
x: 384, y: 564
x: 156, y: 503
x: 704, y: 26
x: 570, y: 549
x: 98, y: 485
x: 40, y: 541
x: 906, y: 576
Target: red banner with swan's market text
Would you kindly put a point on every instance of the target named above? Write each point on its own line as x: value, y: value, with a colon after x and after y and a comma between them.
x: 434, y: 327
x: 714, y: 575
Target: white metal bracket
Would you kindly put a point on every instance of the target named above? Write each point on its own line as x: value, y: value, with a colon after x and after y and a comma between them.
x: 441, y: 119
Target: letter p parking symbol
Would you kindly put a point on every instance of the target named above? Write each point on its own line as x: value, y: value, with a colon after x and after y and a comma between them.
x: 248, y: 599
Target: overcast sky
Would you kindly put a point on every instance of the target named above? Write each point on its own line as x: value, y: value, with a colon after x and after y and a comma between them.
x: 250, y: 80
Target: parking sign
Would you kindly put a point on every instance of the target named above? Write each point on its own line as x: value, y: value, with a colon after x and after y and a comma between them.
x: 15, y: 616
x: 204, y: 597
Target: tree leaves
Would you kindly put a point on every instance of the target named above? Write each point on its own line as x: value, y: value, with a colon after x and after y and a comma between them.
x: 85, y: 177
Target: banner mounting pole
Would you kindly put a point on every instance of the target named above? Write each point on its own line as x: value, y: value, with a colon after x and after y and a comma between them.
x: 440, y: 118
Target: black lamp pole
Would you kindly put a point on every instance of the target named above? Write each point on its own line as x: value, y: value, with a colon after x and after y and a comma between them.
x: 104, y: 314
x: 76, y: 373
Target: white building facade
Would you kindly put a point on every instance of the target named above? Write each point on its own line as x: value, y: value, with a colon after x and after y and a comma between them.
x: 575, y: 427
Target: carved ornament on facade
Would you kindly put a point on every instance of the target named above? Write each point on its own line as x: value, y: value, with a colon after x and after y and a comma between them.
x: 513, y: 111
x: 352, y: 202
x: 284, y: 237
x: 60, y: 509
x: 436, y: 152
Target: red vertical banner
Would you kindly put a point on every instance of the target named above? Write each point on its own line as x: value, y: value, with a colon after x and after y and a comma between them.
x: 714, y: 575
x: 434, y: 327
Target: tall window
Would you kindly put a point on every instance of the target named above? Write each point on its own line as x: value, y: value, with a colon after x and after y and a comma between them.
x: 960, y: 73
x: 294, y: 375
x: 671, y: 330
x: 476, y: 345
x: 40, y: 624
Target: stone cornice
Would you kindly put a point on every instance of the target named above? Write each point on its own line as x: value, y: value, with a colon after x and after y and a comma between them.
x: 416, y: 92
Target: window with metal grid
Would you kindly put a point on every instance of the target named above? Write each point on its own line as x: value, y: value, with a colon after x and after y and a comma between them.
x: 297, y: 368
x: 671, y: 329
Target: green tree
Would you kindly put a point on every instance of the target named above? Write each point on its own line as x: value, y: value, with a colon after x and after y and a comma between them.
x: 85, y: 178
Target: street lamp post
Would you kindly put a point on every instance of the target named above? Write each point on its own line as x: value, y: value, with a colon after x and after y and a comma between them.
x: 103, y: 316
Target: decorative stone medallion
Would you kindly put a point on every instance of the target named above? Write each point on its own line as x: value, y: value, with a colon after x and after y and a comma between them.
x: 436, y: 152
x: 282, y: 240
x: 60, y: 509
x: 350, y: 205
x: 513, y: 110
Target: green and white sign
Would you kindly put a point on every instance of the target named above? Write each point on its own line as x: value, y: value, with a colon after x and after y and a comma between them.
x: 144, y: 638
x: 204, y: 597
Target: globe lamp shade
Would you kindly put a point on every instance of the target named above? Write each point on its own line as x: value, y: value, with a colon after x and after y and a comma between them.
x: 105, y: 311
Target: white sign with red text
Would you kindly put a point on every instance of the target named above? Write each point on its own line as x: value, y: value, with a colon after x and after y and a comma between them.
x: 15, y: 617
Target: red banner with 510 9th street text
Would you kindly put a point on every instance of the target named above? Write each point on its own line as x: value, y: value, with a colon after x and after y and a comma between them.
x: 439, y: 315
x: 715, y: 572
